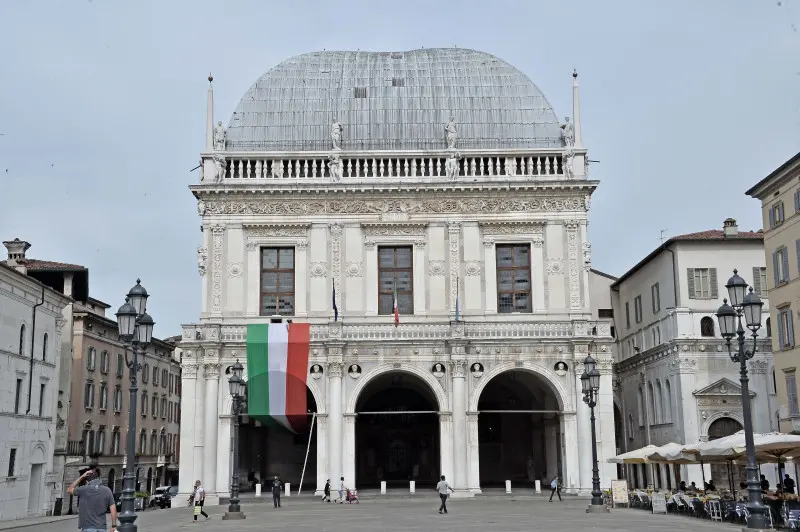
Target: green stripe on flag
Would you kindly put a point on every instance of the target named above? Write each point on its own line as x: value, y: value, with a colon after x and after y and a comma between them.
x: 257, y: 372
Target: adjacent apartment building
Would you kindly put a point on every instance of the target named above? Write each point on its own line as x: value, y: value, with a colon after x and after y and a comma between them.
x: 31, y: 325
x: 673, y: 378
x: 779, y: 193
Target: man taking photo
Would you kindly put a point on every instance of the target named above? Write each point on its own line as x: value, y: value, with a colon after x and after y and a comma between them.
x: 94, y: 500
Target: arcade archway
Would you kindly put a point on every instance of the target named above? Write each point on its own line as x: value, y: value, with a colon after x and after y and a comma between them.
x: 519, y: 430
x: 397, y: 431
x: 268, y: 449
x: 726, y: 475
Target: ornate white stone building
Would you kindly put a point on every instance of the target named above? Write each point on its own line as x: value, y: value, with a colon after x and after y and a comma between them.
x: 443, y: 175
x: 674, y: 380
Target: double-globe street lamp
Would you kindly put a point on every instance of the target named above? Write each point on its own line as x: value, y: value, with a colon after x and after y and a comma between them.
x: 135, y: 330
x: 590, y: 382
x: 730, y: 315
x: 237, y: 386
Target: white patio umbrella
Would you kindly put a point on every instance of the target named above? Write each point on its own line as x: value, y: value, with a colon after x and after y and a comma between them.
x: 672, y: 453
x: 639, y: 456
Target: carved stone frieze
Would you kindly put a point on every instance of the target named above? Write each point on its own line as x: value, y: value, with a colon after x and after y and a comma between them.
x: 459, y: 368
x: 218, y: 236
x: 211, y: 370
x: 454, y: 232
x: 555, y: 266
x: 488, y: 242
x: 497, y: 203
x: 722, y: 402
x: 202, y: 259
x: 189, y: 371
x: 276, y: 230
x: 336, y: 258
x: 505, y: 228
x: 394, y: 229
x: 335, y: 369
x: 759, y: 367
x: 435, y: 268
x: 574, y: 276
x: 235, y: 269
x: 318, y: 269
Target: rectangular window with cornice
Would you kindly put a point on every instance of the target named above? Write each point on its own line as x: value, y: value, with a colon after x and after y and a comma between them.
x: 637, y: 308
x: 791, y: 394
x: 785, y: 328
x: 702, y: 283
x: 513, y: 278
x: 656, y: 295
x: 395, y: 274
x: 277, y: 281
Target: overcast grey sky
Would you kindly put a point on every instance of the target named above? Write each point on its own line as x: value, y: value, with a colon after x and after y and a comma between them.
x: 686, y: 104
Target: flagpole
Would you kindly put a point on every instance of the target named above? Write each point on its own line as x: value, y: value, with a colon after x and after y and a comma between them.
x: 308, y: 448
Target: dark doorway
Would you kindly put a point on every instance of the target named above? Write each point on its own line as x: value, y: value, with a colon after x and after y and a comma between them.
x: 519, y: 430
x: 111, y: 479
x: 397, y: 432
x: 618, y: 439
x: 726, y: 475
x: 269, y: 449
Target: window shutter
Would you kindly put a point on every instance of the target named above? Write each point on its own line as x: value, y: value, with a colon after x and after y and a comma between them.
x: 785, y: 265
x: 775, y: 268
x: 690, y: 281
x: 712, y: 280
x: 757, y: 276
x: 797, y: 245
x: 772, y: 217
x: 797, y: 201
x: 790, y: 339
x: 781, y: 340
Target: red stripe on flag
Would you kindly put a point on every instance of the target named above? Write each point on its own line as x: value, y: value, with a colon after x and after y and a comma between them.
x: 296, y: 374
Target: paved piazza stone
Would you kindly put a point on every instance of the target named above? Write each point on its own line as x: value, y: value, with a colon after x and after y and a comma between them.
x: 419, y: 513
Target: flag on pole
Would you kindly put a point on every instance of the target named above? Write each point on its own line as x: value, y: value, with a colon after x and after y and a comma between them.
x: 335, y: 308
x: 457, y: 303
x: 396, y: 309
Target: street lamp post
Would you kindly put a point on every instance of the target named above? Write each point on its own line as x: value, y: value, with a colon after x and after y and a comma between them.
x: 590, y: 382
x: 236, y: 384
x: 730, y: 315
x: 135, y: 330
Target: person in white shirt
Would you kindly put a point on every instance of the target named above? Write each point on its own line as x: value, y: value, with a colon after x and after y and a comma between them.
x: 342, y: 490
x: 200, y: 499
x: 444, y: 490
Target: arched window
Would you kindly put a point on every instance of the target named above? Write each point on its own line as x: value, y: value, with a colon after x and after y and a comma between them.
x: 707, y: 326
x: 44, y: 347
x: 651, y: 403
x: 659, y: 403
x: 641, y: 407
x: 769, y: 328
x: 668, y: 403
x: 22, y: 339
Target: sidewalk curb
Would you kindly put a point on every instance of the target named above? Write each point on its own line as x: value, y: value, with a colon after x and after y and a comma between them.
x: 24, y: 523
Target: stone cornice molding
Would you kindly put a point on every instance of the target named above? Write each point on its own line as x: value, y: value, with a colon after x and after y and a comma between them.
x: 275, y: 230
x: 415, y: 230
x: 513, y: 228
x: 413, y: 204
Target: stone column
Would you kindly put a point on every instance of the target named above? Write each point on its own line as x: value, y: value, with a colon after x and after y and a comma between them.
x: 473, y: 456
x: 217, y: 259
x: 349, y: 457
x: 583, y: 428
x: 551, y: 449
x: 203, y: 269
x: 301, y: 278
x: 371, y: 278
x: 253, y: 279
x: 490, y: 275
x: 335, y: 420
x: 211, y: 423
x: 225, y: 454
x: 537, y: 273
x: 188, y: 426
x: 197, y: 450
x: 446, y: 444
x: 460, y: 478
x: 420, y: 276
x: 454, y: 233
x: 322, y: 453
x: 570, y: 453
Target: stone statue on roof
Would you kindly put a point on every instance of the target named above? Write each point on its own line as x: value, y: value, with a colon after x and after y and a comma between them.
x: 220, y: 137
x: 451, y: 133
x: 336, y: 134
x: 451, y: 165
x: 568, y: 133
x: 335, y: 167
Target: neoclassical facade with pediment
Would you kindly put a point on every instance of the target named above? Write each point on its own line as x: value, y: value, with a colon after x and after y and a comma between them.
x: 439, y: 179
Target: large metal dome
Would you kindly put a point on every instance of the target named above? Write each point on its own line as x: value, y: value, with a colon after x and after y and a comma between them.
x: 393, y: 100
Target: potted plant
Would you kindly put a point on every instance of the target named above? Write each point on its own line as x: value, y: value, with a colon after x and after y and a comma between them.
x: 140, y: 498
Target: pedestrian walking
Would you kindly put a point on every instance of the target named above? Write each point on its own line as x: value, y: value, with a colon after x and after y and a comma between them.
x: 94, y: 501
x: 326, y: 493
x: 444, y: 490
x: 342, y: 490
x: 276, y: 492
x: 199, y: 500
x: 555, y: 486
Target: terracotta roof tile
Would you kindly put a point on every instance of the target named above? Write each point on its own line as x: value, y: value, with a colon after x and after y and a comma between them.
x: 718, y: 234
x: 36, y: 265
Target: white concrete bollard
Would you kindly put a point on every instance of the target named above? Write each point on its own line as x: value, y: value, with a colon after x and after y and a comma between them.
x: 412, y: 486
x: 383, y: 487
x: 258, y: 489
x: 538, y: 485
x: 508, y: 486
x: 288, y: 490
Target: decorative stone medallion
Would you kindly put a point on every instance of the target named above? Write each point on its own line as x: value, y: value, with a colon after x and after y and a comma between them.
x: 438, y: 370
x: 316, y: 371
x: 354, y: 371
x: 476, y: 369
x: 561, y: 368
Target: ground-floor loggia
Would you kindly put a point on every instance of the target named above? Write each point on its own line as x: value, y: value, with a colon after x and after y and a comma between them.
x: 479, y: 425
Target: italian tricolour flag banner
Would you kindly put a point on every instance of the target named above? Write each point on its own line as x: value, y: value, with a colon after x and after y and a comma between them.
x: 277, y: 366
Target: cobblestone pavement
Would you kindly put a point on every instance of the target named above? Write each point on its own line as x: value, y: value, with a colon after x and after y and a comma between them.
x: 394, y: 515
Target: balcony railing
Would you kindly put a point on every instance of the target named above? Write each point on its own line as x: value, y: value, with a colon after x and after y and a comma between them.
x: 76, y: 448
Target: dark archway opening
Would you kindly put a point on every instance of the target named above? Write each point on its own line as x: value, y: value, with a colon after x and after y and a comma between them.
x: 619, y: 439
x: 397, y: 432
x: 268, y: 449
x: 726, y: 475
x: 111, y: 480
x: 519, y: 430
